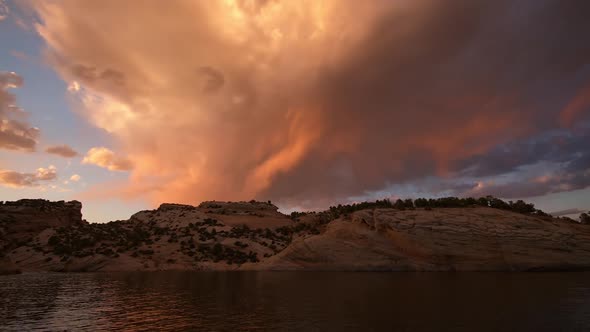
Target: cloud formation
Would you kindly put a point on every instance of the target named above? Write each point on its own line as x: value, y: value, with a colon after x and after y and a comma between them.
x: 75, y: 178
x: 16, y: 179
x: 287, y: 100
x: 15, y: 131
x: 62, y: 150
x: 103, y: 157
x: 551, y: 162
x: 3, y: 10
x: 567, y: 212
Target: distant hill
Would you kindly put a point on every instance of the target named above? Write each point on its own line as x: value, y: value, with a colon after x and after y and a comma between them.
x: 435, y: 235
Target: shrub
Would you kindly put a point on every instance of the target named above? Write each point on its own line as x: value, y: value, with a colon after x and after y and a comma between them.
x: 409, y: 203
x: 54, y: 240
x: 296, y: 215
x: 399, y: 204
x: 217, y: 249
x: 240, y: 244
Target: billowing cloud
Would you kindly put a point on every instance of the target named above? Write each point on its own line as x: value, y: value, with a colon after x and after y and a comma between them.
x: 75, y: 178
x: 287, y: 100
x: 62, y: 150
x: 103, y: 157
x: 4, y: 11
x: 15, y: 131
x: 16, y: 179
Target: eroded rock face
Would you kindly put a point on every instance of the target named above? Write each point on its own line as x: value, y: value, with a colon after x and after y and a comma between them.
x: 23, y: 219
x: 467, y: 239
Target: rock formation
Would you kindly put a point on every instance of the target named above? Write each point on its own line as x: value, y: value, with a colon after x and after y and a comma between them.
x: 462, y: 239
x: 23, y: 220
x: 38, y: 235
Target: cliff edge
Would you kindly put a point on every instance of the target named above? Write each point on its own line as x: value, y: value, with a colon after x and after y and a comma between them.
x: 21, y: 221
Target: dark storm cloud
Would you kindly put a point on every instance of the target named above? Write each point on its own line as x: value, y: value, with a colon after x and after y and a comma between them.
x: 557, y: 147
x: 443, y: 85
x: 532, y: 187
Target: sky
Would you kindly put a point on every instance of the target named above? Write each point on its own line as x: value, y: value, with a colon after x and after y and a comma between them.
x: 124, y: 105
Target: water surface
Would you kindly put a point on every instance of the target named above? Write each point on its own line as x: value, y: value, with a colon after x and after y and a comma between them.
x: 305, y: 301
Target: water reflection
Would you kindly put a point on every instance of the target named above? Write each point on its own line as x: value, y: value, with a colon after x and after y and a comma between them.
x: 307, y: 301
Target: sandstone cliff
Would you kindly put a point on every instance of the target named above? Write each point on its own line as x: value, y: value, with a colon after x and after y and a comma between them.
x: 27, y: 217
x: 44, y: 236
x: 23, y: 220
x: 462, y: 239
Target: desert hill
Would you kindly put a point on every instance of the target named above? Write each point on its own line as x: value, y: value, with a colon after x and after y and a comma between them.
x: 461, y: 239
x: 488, y: 235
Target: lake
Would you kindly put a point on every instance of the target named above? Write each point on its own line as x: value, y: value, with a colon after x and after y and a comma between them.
x: 304, y: 301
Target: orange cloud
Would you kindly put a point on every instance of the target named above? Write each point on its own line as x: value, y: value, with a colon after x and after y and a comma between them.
x: 287, y: 99
x: 201, y: 122
x: 302, y: 133
x: 103, y: 157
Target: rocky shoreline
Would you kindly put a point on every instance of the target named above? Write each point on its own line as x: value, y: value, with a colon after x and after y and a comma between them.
x: 38, y: 235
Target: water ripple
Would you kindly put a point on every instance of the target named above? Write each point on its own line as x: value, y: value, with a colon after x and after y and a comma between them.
x: 250, y: 301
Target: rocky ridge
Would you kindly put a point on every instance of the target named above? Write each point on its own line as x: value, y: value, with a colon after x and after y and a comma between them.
x: 38, y: 235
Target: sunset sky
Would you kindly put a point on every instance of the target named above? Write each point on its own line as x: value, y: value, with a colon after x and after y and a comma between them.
x: 124, y: 105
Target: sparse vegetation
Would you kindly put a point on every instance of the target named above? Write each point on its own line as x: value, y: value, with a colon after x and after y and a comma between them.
x: 207, y: 239
x: 444, y: 202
